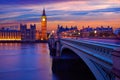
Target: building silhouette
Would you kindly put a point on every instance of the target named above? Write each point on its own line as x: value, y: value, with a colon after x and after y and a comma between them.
x: 117, y: 32
x: 61, y: 29
x: 43, y: 26
x: 28, y: 34
x: 102, y: 32
x: 67, y: 31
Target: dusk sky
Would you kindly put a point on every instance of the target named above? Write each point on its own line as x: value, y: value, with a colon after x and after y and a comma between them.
x: 64, y: 12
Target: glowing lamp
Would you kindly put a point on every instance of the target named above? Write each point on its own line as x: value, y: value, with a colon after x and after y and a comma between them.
x: 95, y: 31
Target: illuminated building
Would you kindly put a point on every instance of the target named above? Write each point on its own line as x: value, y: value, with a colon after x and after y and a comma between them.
x: 67, y: 32
x: 66, y: 29
x: 23, y: 34
x: 43, y: 26
x: 101, y: 32
x: 10, y: 35
x: 38, y: 35
x: 86, y: 32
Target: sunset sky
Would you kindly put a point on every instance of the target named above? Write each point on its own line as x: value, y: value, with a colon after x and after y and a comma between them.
x: 64, y: 12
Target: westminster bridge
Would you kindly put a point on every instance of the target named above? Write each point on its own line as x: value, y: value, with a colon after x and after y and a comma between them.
x: 102, y: 59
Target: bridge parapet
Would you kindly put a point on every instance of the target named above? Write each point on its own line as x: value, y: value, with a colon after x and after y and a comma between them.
x: 95, y: 47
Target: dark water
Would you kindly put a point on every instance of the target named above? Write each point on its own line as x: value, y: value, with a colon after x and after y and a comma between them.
x: 33, y: 62
x: 70, y: 67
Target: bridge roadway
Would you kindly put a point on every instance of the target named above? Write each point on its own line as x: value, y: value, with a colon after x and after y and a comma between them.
x: 103, y: 59
x: 111, y: 41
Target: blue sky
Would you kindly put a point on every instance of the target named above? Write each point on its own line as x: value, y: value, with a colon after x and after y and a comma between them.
x: 13, y: 11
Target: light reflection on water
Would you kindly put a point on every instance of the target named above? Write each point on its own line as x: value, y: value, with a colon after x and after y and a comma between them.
x: 33, y: 62
x: 25, y: 61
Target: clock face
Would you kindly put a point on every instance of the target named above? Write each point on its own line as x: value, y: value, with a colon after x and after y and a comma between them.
x: 43, y: 19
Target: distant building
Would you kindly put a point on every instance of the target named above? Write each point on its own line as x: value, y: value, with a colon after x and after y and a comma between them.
x: 23, y: 34
x: 117, y: 32
x: 104, y: 31
x: 101, y: 32
x: 43, y: 26
x: 67, y: 32
x: 86, y: 32
x: 38, y: 35
x: 28, y: 34
x: 8, y: 35
x: 65, y: 29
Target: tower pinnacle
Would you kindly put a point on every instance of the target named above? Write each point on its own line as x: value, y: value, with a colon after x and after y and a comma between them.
x: 44, y: 12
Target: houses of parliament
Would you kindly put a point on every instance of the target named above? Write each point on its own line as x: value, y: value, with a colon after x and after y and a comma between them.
x: 25, y: 34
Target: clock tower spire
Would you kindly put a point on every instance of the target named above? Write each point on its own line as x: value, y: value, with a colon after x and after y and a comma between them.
x: 43, y: 26
x: 43, y: 13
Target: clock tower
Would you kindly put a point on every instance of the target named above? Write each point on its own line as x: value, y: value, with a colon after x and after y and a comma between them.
x: 43, y: 26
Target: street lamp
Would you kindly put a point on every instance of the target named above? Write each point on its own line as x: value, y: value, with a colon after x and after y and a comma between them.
x: 95, y: 32
x: 53, y: 31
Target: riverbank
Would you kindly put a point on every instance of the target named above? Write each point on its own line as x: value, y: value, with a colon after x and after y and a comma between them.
x: 37, y: 41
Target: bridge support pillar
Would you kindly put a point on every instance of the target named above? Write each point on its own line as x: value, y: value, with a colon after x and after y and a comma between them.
x: 58, y: 48
x: 52, y: 46
x: 116, y: 63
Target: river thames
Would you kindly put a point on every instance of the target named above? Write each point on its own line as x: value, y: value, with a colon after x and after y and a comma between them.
x: 25, y: 62
x: 32, y: 61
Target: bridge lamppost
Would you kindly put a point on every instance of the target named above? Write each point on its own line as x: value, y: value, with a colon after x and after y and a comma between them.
x: 53, y: 31
x: 78, y: 35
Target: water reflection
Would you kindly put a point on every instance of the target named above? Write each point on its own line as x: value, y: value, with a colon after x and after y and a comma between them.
x: 25, y: 62
x: 33, y: 62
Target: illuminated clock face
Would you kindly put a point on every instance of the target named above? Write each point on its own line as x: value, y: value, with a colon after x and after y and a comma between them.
x: 43, y: 19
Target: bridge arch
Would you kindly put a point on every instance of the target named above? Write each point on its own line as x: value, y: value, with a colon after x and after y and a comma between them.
x: 79, y: 64
x: 86, y: 61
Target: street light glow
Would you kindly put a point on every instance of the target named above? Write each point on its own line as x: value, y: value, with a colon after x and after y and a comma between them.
x: 53, y: 31
x: 95, y: 31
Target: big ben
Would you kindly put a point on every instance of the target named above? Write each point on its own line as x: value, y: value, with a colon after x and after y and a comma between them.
x: 43, y: 26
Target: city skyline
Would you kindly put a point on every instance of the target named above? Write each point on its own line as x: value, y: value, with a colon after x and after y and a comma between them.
x: 64, y: 12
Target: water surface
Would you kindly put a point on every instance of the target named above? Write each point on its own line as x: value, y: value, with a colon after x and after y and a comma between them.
x: 25, y: 61
x: 33, y: 62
